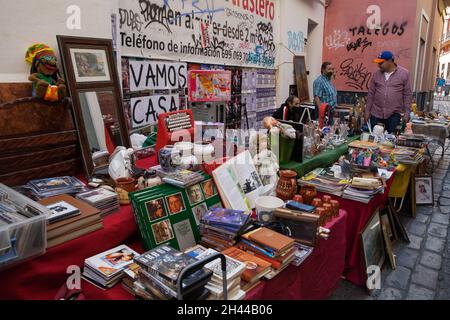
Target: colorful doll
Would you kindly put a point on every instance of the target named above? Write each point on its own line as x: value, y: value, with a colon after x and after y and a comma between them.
x: 47, y: 83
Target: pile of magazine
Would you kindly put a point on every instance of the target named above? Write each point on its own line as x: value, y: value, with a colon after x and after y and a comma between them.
x: 158, y: 275
x: 220, y: 228
x: 106, y: 269
x: 235, y: 269
x: 179, y: 178
x: 363, y: 189
x: 407, y: 155
x: 44, y: 188
x: 104, y: 200
x: 323, y: 181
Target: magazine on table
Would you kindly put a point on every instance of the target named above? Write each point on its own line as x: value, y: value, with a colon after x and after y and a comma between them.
x: 238, y: 182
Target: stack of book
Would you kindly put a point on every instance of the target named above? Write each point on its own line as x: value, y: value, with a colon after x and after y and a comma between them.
x: 270, y: 246
x: 70, y: 227
x: 179, y: 178
x: 158, y: 276
x: 255, y: 268
x: 104, y: 200
x: 323, y: 181
x: 183, y: 178
x: 44, y: 188
x: 363, y: 189
x: 106, y: 269
x: 407, y: 155
x: 235, y: 269
x: 220, y: 228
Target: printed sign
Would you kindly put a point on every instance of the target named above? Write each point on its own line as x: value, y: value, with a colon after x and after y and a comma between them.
x: 146, y: 110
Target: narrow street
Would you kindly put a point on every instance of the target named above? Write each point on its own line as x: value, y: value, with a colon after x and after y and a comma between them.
x: 423, y: 265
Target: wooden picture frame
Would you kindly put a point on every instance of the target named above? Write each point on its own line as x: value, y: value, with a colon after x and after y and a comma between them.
x: 372, y: 242
x: 98, y: 78
x: 301, y: 78
x: 387, y: 236
x: 423, y: 190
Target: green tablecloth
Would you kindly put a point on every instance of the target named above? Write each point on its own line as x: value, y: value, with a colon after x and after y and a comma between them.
x: 324, y: 159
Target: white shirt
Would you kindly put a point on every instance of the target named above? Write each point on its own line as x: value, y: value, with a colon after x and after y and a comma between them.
x: 388, y: 75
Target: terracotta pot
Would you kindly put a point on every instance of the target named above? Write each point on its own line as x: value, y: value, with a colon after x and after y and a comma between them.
x: 317, y: 202
x: 298, y: 198
x: 287, y: 185
x: 326, y: 199
x: 123, y: 187
x: 336, y: 206
x: 308, y: 193
x: 322, y: 214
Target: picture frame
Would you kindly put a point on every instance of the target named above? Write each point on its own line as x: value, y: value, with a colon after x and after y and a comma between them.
x: 372, y: 242
x: 301, y: 78
x: 424, y: 190
x: 387, y: 235
x: 89, y: 67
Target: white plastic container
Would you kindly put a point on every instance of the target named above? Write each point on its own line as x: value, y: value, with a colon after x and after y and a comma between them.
x: 25, y: 239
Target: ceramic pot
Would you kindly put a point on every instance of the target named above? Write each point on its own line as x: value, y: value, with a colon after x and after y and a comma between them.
x: 186, y: 148
x: 287, y: 185
x: 204, y: 151
x: 169, y: 158
x: 308, y: 193
x: 336, y: 206
x: 298, y: 198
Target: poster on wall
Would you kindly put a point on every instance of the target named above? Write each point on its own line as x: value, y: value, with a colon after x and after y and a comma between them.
x: 151, y: 88
x: 352, y: 44
x: 145, y: 111
x: 209, y: 86
x: 239, y: 33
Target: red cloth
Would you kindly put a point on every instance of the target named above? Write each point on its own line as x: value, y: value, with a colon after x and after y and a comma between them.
x: 42, y: 277
x: 359, y: 215
x: 317, y: 277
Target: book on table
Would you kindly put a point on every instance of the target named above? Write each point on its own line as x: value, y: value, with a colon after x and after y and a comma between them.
x: 238, y: 182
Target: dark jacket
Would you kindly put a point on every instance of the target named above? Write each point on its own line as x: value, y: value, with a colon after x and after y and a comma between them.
x: 291, y: 114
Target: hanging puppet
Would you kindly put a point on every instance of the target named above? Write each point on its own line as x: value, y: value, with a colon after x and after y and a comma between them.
x: 47, y: 82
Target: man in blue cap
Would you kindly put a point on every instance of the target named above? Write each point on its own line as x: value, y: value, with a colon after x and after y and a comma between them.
x: 390, y: 93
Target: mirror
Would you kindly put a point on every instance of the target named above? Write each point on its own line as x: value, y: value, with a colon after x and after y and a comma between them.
x: 93, y: 83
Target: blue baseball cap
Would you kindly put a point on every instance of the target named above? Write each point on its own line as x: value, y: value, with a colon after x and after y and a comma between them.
x: 383, y: 56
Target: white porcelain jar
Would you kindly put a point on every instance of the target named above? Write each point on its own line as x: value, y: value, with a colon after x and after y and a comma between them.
x: 204, y: 151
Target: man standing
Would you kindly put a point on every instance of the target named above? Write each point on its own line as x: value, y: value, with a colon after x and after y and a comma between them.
x: 324, y: 90
x: 390, y: 93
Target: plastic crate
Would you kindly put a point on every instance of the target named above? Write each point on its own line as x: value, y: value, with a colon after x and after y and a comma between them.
x: 25, y: 239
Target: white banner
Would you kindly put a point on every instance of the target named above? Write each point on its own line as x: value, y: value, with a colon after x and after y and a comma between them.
x: 155, y: 75
x: 227, y: 32
x: 146, y: 110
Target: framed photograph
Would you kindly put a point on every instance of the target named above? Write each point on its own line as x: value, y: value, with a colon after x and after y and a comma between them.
x: 195, y: 194
x: 198, y: 212
x: 90, y: 65
x: 209, y: 189
x: 372, y: 242
x: 175, y: 203
x: 162, y: 231
x: 156, y: 209
x: 424, y: 190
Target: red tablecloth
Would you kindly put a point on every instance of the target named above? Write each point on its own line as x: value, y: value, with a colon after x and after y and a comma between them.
x: 317, y: 277
x: 40, y: 278
x: 359, y: 215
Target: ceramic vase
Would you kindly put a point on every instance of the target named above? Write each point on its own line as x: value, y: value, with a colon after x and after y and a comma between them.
x: 287, y: 185
x: 204, y: 151
x: 169, y: 158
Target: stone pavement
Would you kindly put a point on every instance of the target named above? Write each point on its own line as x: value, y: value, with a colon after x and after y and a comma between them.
x: 423, y: 265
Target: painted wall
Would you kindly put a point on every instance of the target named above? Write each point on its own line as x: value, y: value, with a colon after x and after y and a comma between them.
x: 351, y: 46
x: 25, y: 22
x: 293, y: 28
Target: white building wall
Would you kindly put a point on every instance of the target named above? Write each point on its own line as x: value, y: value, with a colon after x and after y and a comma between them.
x: 25, y: 22
x: 293, y: 20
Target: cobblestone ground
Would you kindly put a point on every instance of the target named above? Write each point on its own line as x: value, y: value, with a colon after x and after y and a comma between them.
x: 423, y: 265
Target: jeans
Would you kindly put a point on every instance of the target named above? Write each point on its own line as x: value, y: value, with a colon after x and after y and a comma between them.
x: 390, y: 123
